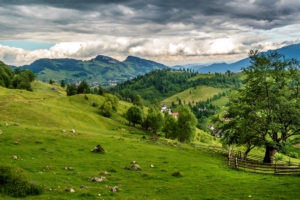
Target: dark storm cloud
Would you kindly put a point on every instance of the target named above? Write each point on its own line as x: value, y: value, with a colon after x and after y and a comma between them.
x: 265, y: 14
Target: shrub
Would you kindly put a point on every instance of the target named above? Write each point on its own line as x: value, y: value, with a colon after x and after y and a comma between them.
x: 13, y: 182
x: 177, y: 174
x: 293, y: 154
x: 95, y: 104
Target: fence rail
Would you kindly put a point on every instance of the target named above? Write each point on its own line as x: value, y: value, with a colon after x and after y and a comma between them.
x: 252, y: 162
x: 255, y: 166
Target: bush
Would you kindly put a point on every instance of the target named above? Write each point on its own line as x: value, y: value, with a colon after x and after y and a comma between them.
x: 177, y: 174
x: 293, y: 154
x: 95, y: 104
x: 13, y: 182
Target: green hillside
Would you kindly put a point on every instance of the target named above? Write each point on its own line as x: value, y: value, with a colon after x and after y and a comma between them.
x: 44, y: 152
x: 194, y: 94
x: 99, y: 70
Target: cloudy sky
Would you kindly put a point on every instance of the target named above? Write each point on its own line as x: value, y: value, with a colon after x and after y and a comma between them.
x: 167, y: 31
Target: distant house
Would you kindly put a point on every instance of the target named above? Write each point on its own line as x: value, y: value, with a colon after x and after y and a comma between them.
x: 163, y: 108
x: 211, y: 127
x: 175, y: 114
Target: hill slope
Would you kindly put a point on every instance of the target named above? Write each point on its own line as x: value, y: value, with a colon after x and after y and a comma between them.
x: 44, y: 151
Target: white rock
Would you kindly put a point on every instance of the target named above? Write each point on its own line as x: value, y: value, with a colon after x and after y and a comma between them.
x: 14, y: 157
x: 73, y: 130
x: 152, y: 166
x: 0, y: 132
x: 72, y: 190
x: 63, y: 131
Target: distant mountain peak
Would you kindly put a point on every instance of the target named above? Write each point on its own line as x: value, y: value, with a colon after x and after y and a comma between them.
x: 133, y: 59
x: 106, y: 59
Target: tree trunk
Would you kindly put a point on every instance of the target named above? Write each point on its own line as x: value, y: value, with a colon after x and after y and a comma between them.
x: 246, y: 153
x: 269, y: 155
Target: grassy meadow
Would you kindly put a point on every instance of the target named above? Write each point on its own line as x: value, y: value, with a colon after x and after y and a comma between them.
x: 44, y: 150
x: 200, y: 93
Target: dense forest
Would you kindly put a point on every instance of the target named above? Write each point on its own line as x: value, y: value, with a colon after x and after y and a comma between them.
x: 160, y: 84
x: 17, y: 79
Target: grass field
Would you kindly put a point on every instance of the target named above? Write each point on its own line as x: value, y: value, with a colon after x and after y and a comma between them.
x: 44, y: 151
x: 201, y: 93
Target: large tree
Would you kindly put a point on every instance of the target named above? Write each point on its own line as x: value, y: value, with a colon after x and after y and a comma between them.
x: 266, y: 110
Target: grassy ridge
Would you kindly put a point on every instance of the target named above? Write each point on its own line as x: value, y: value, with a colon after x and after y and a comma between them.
x: 44, y: 151
x: 201, y: 93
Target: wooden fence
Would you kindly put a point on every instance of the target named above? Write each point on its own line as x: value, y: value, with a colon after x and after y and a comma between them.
x: 259, y: 167
x: 253, y: 163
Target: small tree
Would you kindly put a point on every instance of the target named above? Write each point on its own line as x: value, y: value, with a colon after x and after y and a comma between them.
x: 101, y: 91
x: 186, y: 124
x: 106, y: 109
x: 154, y: 120
x: 51, y: 81
x: 71, y: 89
x: 83, y: 88
x: 138, y: 101
x: 170, y: 126
x: 134, y: 114
x: 62, y: 83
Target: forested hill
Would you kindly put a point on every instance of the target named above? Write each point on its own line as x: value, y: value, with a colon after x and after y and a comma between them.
x: 160, y: 84
x: 102, y: 69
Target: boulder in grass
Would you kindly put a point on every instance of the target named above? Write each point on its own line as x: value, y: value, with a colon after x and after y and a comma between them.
x: 98, y: 149
x: 14, y: 157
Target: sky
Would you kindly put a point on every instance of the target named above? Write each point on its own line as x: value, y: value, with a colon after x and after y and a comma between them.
x: 172, y: 32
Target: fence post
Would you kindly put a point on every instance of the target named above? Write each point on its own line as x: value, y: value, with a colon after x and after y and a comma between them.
x: 275, y: 168
x: 229, y: 155
x: 236, y: 162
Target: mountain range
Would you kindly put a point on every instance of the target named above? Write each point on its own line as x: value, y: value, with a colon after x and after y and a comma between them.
x: 290, y: 51
x: 99, y: 70
x: 105, y: 70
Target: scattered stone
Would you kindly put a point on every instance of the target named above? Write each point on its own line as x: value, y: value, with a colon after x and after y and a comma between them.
x: 133, y: 162
x: 72, y: 190
x: 83, y: 186
x: 73, y: 130
x: 114, y: 189
x: 6, y: 124
x: 152, y: 166
x: 63, y: 131
x: 69, y: 168
x: 98, y: 149
x: 105, y: 174
x: 135, y: 167
x: 0, y: 132
x: 99, y: 194
x: 14, y: 157
x: 15, y: 124
x: 96, y: 179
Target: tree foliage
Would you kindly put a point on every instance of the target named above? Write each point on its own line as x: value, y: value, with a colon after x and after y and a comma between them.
x: 170, y: 126
x: 134, y: 114
x: 154, y: 120
x: 20, y: 79
x: 110, y: 105
x: 160, y: 84
x: 186, y: 124
x: 266, y: 111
